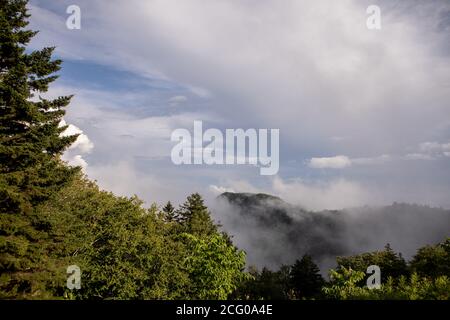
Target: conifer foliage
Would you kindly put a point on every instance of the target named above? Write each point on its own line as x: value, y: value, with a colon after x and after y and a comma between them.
x: 30, y: 147
x: 195, y: 217
x: 305, y: 278
x: 30, y: 135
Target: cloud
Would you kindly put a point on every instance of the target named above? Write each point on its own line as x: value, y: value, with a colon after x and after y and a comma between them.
x: 418, y: 156
x: 259, y: 226
x: 178, y: 99
x: 319, y: 195
x: 217, y: 190
x: 75, y: 160
x: 82, y: 145
x: 309, y: 67
x: 372, y: 161
x: 430, y: 151
x: 132, y: 152
x: 435, y: 148
x: 313, y: 195
x: 336, y: 162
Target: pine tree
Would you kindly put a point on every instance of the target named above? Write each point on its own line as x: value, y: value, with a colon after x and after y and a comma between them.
x: 169, y: 212
x: 305, y: 278
x: 195, y: 217
x: 392, y: 264
x: 30, y: 148
x: 30, y: 141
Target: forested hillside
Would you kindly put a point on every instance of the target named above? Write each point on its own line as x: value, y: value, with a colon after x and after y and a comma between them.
x: 277, y: 232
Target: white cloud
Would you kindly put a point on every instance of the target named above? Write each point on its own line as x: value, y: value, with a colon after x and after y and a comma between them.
x: 434, y: 147
x: 75, y: 160
x: 82, y: 143
x: 430, y: 151
x: 336, y: 162
x: 320, y: 195
x: 429, y: 146
x: 219, y: 190
x: 311, y: 195
x: 317, y: 195
x: 175, y: 100
x: 178, y: 99
x: 310, y: 67
x: 418, y: 156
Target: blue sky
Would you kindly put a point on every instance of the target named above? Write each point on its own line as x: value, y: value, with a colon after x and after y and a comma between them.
x: 363, y: 115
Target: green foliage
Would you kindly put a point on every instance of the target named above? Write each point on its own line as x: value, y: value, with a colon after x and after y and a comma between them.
x: 30, y: 135
x: 215, y: 268
x: 124, y: 252
x: 305, y: 278
x: 302, y: 280
x: 30, y: 146
x: 264, y: 285
x: 344, y: 286
x: 195, y: 218
x: 433, y: 261
x: 169, y: 213
x: 429, y: 279
x: 390, y: 263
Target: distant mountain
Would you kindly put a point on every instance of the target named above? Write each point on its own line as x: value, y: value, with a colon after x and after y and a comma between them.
x: 263, y: 207
x: 274, y: 232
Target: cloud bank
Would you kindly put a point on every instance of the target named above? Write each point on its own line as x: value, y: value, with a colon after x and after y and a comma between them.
x: 355, y: 106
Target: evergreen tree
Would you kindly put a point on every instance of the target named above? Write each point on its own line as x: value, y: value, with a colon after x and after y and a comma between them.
x: 30, y: 148
x: 305, y: 278
x: 30, y: 135
x: 195, y: 217
x: 169, y: 212
x: 264, y: 285
x: 392, y: 264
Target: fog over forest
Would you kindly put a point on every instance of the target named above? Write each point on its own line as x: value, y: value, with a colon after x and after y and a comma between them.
x: 274, y: 232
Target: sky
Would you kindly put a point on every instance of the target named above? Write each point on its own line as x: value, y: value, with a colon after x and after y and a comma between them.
x: 364, y: 115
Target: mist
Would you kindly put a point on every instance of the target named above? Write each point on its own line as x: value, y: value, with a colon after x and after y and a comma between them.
x: 274, y: 232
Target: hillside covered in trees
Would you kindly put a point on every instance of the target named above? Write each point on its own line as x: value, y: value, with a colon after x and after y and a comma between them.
x: 277, y: 231
x: 52, y: 217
